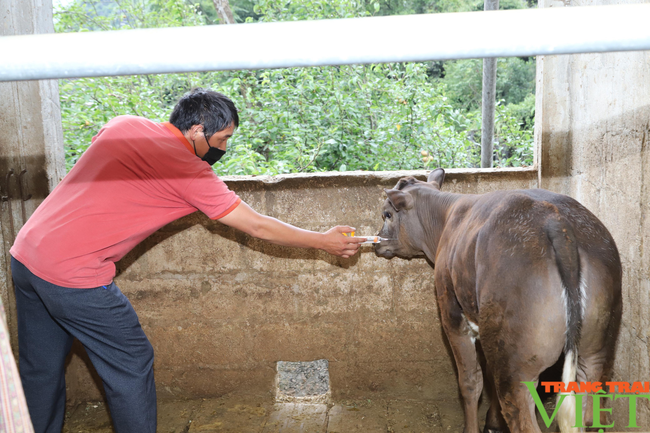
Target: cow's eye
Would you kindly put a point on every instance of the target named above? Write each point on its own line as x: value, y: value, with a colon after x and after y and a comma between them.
x: 387, y: 215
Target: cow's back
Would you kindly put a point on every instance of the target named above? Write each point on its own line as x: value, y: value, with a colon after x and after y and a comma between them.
x: 514, y: 214
x: 592, y: 235
x: 506, y: 232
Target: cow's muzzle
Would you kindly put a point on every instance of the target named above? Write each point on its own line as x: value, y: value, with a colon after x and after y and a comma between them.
x: 384, y: 251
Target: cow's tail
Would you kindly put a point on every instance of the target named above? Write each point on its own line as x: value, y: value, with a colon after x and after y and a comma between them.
x: 567, y: 259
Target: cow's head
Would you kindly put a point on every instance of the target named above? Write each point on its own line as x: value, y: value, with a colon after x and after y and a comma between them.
x: 401, y: 215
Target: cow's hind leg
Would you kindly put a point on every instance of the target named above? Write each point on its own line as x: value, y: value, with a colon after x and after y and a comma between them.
x: 593, y: 367
x: 590, y: 369
x: 600, y: 328
x: 494, y: 421
x: 512, y: 365
x: 517, y: 349
x: 518, y: 406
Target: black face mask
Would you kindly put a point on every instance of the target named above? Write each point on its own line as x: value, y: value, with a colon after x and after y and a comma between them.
x: 213, y: 155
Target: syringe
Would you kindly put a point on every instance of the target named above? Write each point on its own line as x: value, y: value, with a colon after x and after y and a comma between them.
x: 373, y: 239
x: 369, y: 239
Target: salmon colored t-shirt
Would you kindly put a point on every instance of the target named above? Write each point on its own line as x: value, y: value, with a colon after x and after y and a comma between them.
x: 135, y: 177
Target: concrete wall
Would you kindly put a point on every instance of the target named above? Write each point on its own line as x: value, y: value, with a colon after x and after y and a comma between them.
x: 221, y: 308
x: 593, y: 133
x: 31, y: 139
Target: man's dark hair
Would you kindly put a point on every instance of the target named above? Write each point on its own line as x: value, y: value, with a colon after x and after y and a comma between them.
x: 204, y: 107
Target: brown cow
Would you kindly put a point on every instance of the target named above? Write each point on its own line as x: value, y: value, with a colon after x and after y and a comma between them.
x: 530, y: 273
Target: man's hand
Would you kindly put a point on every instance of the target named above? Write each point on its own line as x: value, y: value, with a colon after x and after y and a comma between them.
x: 339, y: 245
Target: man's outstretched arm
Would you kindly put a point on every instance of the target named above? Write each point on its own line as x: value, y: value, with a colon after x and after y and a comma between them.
x: 246, y: 219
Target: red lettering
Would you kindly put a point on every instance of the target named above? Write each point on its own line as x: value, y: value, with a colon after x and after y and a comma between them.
x: 556, y: 386
x: 573, y: 387
x: 621, y: 385
x: 591, y: 387
x: 636, y: 387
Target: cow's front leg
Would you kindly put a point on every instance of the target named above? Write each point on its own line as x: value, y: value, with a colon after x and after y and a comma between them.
x: 462, y: 342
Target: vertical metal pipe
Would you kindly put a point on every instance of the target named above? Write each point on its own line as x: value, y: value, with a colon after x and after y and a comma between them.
x: 488, y: 100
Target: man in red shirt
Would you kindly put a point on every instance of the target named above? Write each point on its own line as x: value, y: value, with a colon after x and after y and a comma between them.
x: 136, y: 177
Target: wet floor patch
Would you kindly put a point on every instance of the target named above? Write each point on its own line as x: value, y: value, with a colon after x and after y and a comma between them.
x: 262, y: 414
x: 251, y: 414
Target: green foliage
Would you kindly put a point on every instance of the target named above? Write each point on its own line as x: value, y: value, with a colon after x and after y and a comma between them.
x: 242, y: 10
x: 464, y: 79
x: 91, y: 15
x: 360, y: 117
x: 524, y: 112
x: 288, y: 10
x: 515, y: 113
x: 509, y: 135
x: 375, y: 117
x: 89, y: 103
x: 404, y: 7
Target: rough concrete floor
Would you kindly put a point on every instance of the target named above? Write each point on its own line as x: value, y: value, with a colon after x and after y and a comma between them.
x: 256, y: 414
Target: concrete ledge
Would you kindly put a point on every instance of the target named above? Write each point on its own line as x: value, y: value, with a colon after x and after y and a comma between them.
x: 382, y: 177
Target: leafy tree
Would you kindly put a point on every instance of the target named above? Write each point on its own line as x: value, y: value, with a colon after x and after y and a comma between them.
x: 464, y: 79
x: 359, y: 117
x: 510, y: 135
x: 376, y: 117
x: 286, y: 10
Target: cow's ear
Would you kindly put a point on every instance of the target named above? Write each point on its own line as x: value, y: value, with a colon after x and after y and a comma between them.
x: 399, y: 199
x: 437, y: 177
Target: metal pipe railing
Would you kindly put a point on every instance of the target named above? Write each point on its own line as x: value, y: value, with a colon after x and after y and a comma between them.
x: 548, y: 31
x: 488, y: 99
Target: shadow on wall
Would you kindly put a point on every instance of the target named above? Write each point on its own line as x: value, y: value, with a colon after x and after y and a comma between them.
x: 215, y: 228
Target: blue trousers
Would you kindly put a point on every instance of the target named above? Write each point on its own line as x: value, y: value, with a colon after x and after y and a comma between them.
x: 103, y: 320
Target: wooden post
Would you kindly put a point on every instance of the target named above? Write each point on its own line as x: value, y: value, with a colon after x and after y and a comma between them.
x: 224, y: 11
x: 32, y: 157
